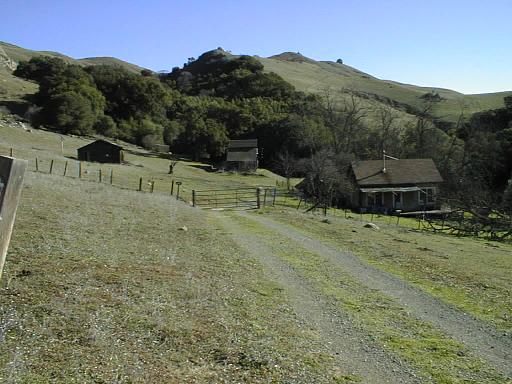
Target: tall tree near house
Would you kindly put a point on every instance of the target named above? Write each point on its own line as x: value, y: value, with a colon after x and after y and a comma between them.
x: 344, y: 113
x: 388, y: 131
x: 326, y: 177
x: 287, y: 165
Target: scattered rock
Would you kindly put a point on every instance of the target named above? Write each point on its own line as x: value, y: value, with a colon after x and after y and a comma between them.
x: 184, y: 228
x: 371, y: 225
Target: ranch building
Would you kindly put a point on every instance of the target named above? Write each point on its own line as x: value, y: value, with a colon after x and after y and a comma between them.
x: 242, y: 155
x: 392, y: 185
x: 101, y: 151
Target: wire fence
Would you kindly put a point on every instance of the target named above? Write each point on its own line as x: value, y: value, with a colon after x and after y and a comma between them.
x: 108, y: 174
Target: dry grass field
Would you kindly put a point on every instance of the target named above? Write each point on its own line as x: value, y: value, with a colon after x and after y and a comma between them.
x: 103, y: 285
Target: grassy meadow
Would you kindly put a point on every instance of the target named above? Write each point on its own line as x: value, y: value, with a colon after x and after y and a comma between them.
x: 103, y: 284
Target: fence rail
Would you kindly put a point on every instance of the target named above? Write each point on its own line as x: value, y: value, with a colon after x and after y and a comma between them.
x: 239, y: 198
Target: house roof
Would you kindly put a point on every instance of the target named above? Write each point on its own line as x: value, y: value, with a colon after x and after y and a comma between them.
x: 250, y: 143
x: 398, y: 172
x: 242, y: 155
x: 104, y: 141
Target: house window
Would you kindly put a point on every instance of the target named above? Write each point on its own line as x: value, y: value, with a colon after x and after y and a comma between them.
x: 426, y: 196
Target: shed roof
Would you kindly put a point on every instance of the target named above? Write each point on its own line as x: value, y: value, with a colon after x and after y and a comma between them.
x: 102, y: 141
x: 398, y: 172
x: 250, y: 143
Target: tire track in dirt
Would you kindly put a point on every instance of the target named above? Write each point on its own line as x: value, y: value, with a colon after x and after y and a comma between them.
x: 482, y: 339
x: 355, y: 350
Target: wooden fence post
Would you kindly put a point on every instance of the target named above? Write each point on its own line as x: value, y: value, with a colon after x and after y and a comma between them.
x: 99, y: 175
x: 11, y: 152
x: 152, y: 186
x: 193, y: 197
x: 274, y: 197
x: 178, y: 183
x: 11, y: 180
x: 172, y: 187
x: 258, y: 197
x: 111, y: 175
x: 37, y: 165
x: 51, y: 167
x: 79, y: 169
x: 265, y: 198
x: 65, y: 167
x: 140, y: 184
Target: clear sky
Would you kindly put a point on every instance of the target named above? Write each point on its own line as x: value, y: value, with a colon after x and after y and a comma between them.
x: 461, y: 45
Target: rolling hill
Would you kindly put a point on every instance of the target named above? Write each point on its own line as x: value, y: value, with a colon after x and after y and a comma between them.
x: 314, y: 76
x: 13, y: 89
x: 304, y: 73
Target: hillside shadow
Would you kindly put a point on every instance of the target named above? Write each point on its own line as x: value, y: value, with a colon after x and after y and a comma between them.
x: 16, y: 107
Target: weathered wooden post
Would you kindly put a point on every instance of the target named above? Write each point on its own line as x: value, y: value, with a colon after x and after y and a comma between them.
x: 178, y: 183
x: 37, y: 165
x: 99, y: 176
x: 258, y: 197
x: 11, y: 180
x: 65, y: 167
x: 140, y: 184
x: 193, y: 197
x: 11, y: 152
x: 51, y: 167
x: 79, y: 169
x: 172, y: 187
x: 111, y: 175
x: 152, y: 186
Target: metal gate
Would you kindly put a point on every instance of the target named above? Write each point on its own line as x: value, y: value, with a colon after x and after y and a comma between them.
x: 239, y: 198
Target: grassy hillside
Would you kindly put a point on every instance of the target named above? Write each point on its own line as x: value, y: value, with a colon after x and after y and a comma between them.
x: 13, y: 89
x: 305, y: 74
x: 314, y: 76
x: 101, y: 285
x: 18, y: 53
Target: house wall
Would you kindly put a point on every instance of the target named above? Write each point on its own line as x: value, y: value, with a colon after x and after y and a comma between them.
x: 242, y: 166
x: 100, y: 152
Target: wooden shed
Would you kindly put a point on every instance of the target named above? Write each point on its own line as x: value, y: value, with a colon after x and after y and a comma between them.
x: 406, y: 185
x: 101, y: 151
x: 242, y: 155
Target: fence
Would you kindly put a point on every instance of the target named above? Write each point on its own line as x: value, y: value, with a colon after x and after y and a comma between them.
x: 239, y: 198
x: 114, y: 175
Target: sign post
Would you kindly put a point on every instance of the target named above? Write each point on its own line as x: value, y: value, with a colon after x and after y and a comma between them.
x: 11, y: 180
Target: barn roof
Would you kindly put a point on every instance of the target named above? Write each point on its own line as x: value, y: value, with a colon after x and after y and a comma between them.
x: 398, y: 172
x: 250, y: 143
x: 104, y: 141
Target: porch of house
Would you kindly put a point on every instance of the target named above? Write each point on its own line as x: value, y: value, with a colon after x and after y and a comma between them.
x: 390, y: 199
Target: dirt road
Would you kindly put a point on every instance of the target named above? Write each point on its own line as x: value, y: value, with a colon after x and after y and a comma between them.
x: 347, y: 338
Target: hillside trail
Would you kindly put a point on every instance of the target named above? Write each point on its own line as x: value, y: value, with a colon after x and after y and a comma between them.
x: 480, y: 338
x: 356, y: 352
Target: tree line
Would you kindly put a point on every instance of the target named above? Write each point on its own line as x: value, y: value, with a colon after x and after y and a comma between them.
x: 196, y: 108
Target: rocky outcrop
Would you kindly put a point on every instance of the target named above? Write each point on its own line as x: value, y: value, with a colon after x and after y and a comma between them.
x: 6, y: 61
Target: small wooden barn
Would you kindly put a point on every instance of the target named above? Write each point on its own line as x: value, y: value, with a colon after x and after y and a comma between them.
x: 101, y: 151
x: 406, y: 185
x: 242, y: 155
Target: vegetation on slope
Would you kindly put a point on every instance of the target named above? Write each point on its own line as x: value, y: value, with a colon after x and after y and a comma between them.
x: 315, y: 76
x: 197, y: 108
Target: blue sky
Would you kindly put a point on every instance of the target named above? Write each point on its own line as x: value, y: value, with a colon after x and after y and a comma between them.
x: 461, y: 45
